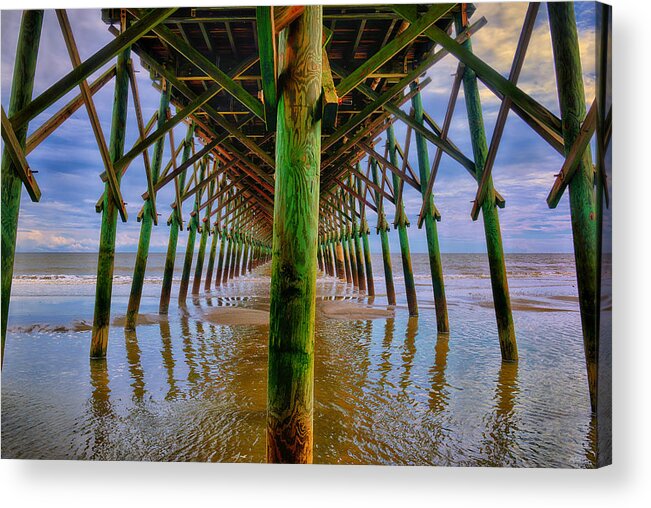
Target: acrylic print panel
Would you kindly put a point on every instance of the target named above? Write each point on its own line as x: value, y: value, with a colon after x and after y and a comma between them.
x: 333, y: 234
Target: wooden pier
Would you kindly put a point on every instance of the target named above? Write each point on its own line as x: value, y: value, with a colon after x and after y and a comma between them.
x: 284, y: 108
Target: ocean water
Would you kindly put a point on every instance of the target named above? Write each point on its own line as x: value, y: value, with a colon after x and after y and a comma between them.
x: 388, y: 389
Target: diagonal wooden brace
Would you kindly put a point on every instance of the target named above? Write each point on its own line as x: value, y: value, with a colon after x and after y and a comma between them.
x: 22, y: 168
x: 516, y: 67
x: 574, y: 156
x: 114, y: 184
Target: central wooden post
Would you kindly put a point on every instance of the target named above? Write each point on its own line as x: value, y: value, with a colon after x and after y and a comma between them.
x: 496, y: 263
x: 433, y: 250
x: 106, y: 257
x: 175, y: 227
x: 147, y: 222
x: 21, y: 94
x: 571, y: 95
x: 290, y: 389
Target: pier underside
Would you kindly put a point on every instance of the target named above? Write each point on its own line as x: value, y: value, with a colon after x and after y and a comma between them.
x: 290, y: 116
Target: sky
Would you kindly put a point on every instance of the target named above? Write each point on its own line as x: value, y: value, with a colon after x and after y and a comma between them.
x: 69, y: 162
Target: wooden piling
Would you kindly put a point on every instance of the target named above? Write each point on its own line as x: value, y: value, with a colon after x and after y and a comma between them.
x: 339, y: 255
x: 333, y: 257
x: 22, y: 86
x: 290, y: 389
x: 108, y: 229
x: 352, y: 259
x: 201, y: 255
x: 320, y: 256
x: 211, y: 258
x: 355, y: 235
x: 245, y: 255
x: 571, y: 95
x: 401, y: 222
x: 249, y: 266
x: 383, y: 231
x: 220, y: 262
x: 364, y: 231
x: 205, y: 230
x: 433, y: 250
x: 175, y: 227
x: 193, y: 227
x: 231, y: 262
x: 343, y: 233
x: 238, y: 255
x: 147, y: 222
x: 219, y: 276
x: 227, y: 259
x: 499, y: 282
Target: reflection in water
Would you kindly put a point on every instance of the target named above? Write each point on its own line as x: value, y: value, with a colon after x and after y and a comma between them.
x: 202, y: 347
x: 135, y: 366
x: 438, y: 395
x: 168, y: 359
x: 101, y: 410
x: 366, y: 361
x: 592, y: 442
x: 409, y: 351
x: 502, y: 425
x: 385, y: 366
x: 188, y: 350
x: 404, y: 396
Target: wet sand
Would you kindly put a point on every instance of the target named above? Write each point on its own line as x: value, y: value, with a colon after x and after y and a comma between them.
x: 345, y: 310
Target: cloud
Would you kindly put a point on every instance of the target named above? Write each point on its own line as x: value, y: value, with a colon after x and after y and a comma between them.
x: 39, y: 240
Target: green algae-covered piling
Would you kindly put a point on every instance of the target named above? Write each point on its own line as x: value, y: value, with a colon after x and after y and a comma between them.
x: 499, y: 282
x: 176, y: 224
x: 193, y: 227
x: 108, y: 228
x: 22, y: 86
x: 211, y: 258
x: 320, y: 256
x: 567, y: 61
x: 433, y: 249
x: 355, y: 235
x: 352, y: 259
x: 245, y: 256
x: 147, y: 222
x: 364, y: 231
x: 401, y: 222
x: 227, y: 258
x: 343, y: 238
x: 203, y: 242
x: 333, y: 256
x: 290, y: 388
x: 339, y: 254
x: 383, y: 231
